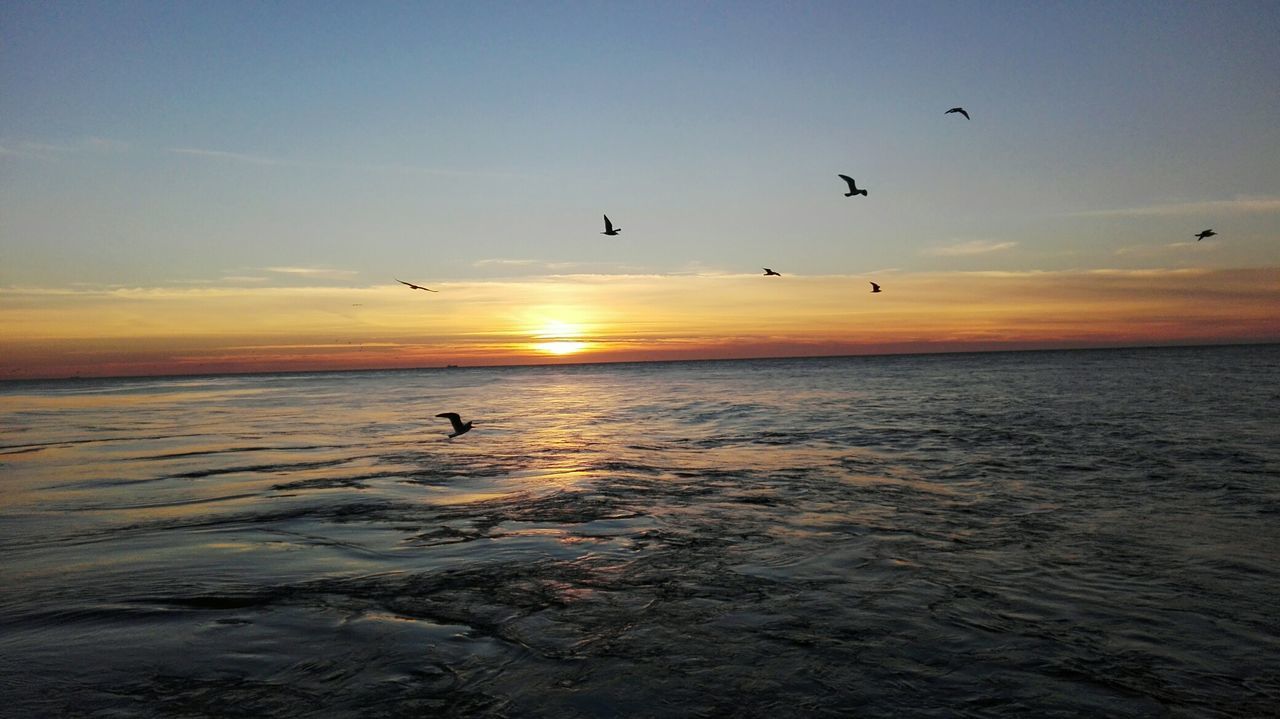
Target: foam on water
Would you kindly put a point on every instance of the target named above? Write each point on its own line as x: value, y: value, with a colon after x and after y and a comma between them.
x: 1065, y: 533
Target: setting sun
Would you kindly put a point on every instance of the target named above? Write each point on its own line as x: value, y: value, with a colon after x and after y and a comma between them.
x: 560, y: 348
x: 560, y: 338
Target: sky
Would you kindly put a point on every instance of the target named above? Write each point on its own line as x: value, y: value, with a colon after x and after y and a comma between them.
x: 207, y: 187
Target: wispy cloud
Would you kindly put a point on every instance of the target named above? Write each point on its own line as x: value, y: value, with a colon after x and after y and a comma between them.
x: 313, y: 272
x: 250, y: 159
x: 1203, y: 207
x: 57, y: 150
x: 504, y: 262
x: 1149, y: 250
x: 972, y: 247
x: 548, y: 265
x: 222, y: 155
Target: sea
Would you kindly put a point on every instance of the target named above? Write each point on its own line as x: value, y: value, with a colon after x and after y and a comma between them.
x: 1020, y: 534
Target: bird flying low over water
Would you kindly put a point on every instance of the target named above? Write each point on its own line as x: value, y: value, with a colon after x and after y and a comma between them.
x: 428, y: 289
x: 853, y: 188
x: 874, y: 288
x: 609, y: 229
x: 459, y: 427
x: 1206, y: 233
x: 768, y: 272
x: 959, y: 110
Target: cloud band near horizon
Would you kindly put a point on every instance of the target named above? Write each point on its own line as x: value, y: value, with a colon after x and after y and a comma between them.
x: 125, y: 331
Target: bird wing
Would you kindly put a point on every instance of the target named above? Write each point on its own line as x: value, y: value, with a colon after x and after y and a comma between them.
x: 608, y: 226
x: 428, y: 289
x: 965, y: 113
x: 454, y: 418
x: 874, y: 286
x: 847, y: 179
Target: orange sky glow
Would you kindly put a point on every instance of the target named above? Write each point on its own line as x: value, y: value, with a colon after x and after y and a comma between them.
x: 610, y: 318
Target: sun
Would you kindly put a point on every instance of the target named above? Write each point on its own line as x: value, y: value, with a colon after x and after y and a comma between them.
x: 559, y: 338
x: 560, y: 348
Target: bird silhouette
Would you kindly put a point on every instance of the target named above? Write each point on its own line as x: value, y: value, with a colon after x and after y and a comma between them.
x: 1206, y: 233
x: 874, y: 288
x: 959, y: 110
x: 459, y: 427
x: 428, y: 289
x: 853, y: 188
x: 609, y: 229
x: 768, y: 272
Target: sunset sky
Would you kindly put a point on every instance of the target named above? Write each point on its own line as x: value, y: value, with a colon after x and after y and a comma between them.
x: 201, y: 187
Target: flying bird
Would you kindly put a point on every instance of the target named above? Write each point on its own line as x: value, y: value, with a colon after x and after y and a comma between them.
x: 428, y: 289
x: 853, y: 189
x: 768, y: 272
x: 1206, y: 233
x: 459, y: 427
x: 609, y: 229
x: 874, y: 288
x: 959, y: 110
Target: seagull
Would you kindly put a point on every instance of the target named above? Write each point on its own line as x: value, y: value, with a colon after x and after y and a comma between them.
x: 608, y: 227
x: 853, y: 189
x: 768, y: 272
x: 959, y: 110
x: 428, y: 289
x: 874, y: 288
x: 1206, y: 233
x: 459, y: 427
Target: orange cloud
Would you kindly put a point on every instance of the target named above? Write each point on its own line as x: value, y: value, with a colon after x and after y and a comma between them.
x: 621, y: 317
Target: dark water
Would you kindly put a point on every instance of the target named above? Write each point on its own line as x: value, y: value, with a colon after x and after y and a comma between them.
x: 1026, y: 534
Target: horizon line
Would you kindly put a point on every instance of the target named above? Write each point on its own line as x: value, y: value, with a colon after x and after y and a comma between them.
x: 535, y: 365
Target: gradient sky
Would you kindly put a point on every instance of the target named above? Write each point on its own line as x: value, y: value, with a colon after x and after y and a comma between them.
x: 223, y: 186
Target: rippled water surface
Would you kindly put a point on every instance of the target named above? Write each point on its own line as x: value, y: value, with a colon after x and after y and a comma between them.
x: 1022, y: 534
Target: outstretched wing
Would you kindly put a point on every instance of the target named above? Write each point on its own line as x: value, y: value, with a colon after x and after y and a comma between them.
x: 848, y: 180
x: 454, y: 419
x: 428, y: 289
x: 874, y: 287
x: 608, y: 226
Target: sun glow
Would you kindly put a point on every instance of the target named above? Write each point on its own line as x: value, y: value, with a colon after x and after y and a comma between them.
x: 560, y: 347
x: 560, y: 338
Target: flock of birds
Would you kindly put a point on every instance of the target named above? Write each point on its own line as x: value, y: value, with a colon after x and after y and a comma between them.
x: 460, y: 427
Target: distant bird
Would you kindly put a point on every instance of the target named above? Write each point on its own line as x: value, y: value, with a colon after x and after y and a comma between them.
x: 959, y: 110
x: 874, y: 288
x: 853, y: 189
x: 768, y: 272
x: 1206, y: 233
x: 428, y: 289
x: 609, y: 229
x: 459, y: 427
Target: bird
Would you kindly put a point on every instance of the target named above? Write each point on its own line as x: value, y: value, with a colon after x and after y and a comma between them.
x: 1206, y: 233
x: 459, y: 427
x: 609, y: 229
x: 768, y: 272
x: 853, y: 189
x: 874, y: 288
x: 428, y: 289
x: 959, y: 110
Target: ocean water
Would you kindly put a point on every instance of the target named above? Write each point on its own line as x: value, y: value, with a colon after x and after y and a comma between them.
x: 1086, y: 533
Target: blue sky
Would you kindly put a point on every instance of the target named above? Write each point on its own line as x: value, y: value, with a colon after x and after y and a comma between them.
x: 148, y: 144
